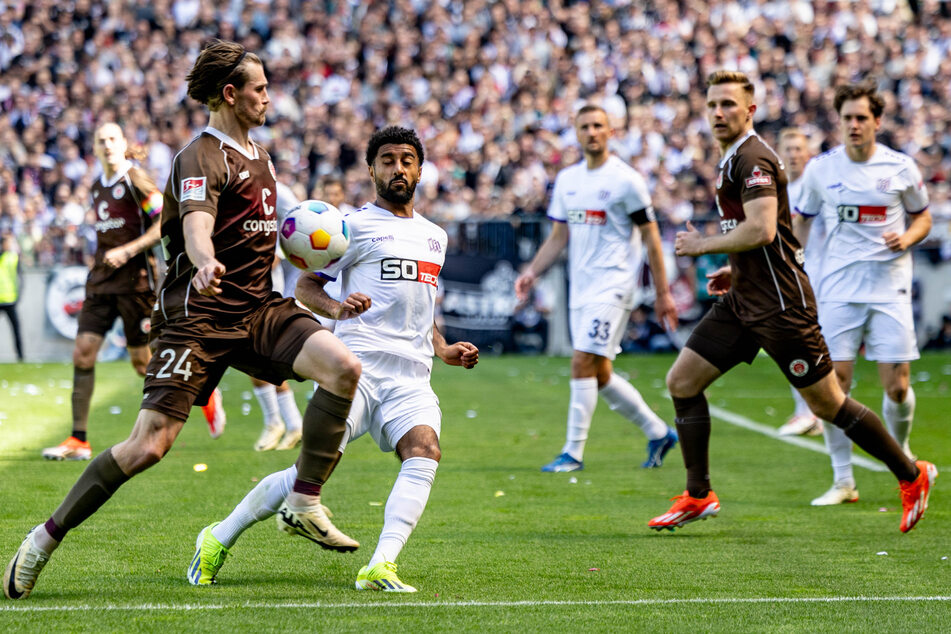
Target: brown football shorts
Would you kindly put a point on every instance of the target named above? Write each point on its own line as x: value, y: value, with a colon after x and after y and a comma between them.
x: 99, y: 312
x: 190, y: 355
x: 791, y: 338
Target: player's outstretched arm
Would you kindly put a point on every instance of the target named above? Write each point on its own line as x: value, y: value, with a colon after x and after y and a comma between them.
x: 553, y: 245
x: 757, y: 230
x: 310, y: 291
x: 461, y: 353
x: 197, y: 228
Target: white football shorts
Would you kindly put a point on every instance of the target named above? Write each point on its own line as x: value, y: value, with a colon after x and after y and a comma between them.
x: 598, y: 329
x: 888, y: 330
x: 393, y: 396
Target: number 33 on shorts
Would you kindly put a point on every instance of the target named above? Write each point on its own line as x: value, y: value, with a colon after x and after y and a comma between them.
x: 600, y: 331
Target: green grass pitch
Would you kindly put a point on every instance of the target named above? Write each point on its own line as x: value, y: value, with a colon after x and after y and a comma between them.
x: 502, y: 546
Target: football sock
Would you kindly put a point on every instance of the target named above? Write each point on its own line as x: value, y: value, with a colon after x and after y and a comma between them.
x: 404, y: 507
x: 84, y: 379
x: 623, y: 398
x: 898, y: 417
x: 867, y: 431
x: 324, y: 423
x: 802, y: 408
x: 840, y: 454
x: 289, y: 412
x: 584, y: 398
x: 95, y: 486
x: 693, y: 427
x: 267, y: 398
x: 259, y: 504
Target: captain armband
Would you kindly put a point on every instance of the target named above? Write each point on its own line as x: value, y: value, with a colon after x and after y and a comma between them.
x: 644, y: 216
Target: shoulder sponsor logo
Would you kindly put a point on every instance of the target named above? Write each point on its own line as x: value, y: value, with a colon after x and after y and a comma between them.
x: 244, y: 175
x: 758, y: 178
x: 587, y: 217
x: 798, y: 367
x: 409, y: 270
x: 381, y: 238
x: 193, y: 189
x: 570, y: 193
x: 118, y: 191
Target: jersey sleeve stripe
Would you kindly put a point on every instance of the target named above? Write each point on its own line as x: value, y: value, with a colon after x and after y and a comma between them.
x: 920, y: 211
x: 562, y: 221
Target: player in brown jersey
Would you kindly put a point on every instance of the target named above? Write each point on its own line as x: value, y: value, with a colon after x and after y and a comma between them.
x: 767, y: 303
x: 216, y: 309
x: 122, y: 280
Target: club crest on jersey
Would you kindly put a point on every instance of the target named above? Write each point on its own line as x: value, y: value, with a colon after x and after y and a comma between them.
x: 587, y: 217
x: 270, y: 168
x: 118, y: 191
x: 409, y: 270
x: 798, y: 367
x: 193, y: 189
x: 882, y: 184
x: 758, y: 178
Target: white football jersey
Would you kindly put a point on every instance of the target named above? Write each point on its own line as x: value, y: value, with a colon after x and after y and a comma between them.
x: 396, y: 262
x: 859, y: 202
x: 815, y: 241
x: 604, y: 251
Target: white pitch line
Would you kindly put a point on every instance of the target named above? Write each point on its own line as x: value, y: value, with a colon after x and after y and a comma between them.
x: 766, y: 430
x: 189, y: 607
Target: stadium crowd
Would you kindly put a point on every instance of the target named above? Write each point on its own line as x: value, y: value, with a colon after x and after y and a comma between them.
x: 490, y: 86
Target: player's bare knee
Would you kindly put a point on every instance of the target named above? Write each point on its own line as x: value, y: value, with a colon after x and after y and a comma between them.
x: 421, y: 449
x: 349, y: 372
x: 897, y: 392
x: 680, y: 385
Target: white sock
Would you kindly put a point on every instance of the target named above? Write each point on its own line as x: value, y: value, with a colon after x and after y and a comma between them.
x: 840, y: 451
x: 623, y: 398
x: 261, y: 503
x: 802, y: 408
x: 267, y: 397
x: 898, y: 417
x: 404, y: 507
x: 289, y: 411
x: 584, y: 398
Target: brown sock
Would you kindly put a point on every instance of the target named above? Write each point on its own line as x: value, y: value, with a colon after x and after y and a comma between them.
x: 693, y: 427
x: 95, y: 486
x: 325, y: 421
x: 83, y: 382
x: 867, y: 431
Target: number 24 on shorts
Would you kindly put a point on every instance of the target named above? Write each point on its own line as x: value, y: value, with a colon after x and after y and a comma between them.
x: 182, y: 367
x: 600, y: 330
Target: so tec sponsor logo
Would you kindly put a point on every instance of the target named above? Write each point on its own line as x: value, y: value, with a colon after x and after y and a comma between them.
x: 409, y: 270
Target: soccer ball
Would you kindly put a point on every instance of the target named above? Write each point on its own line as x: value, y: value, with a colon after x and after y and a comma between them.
x: 314, y: 235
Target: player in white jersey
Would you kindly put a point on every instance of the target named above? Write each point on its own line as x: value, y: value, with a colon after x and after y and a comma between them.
x: 875, y: 208
x: 793, y: 148
x: 597, y: 204
x: 388, y: 281
x: 282, y: 427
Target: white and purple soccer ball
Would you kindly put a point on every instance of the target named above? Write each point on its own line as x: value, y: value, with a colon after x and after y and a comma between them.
x: 314, y: 235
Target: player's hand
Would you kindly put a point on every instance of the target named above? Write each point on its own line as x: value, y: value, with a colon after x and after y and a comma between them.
x: 207, y: 280
x: 666, y: 311
x: 116, y: 257
x: 461, y: 353
x: 719, y: 281
x: 355, y: 304
x: 894, y: 241
x: 523, y: 284
x: 689, y: 242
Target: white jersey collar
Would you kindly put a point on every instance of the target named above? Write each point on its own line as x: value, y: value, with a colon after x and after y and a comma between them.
x: 224, y: 138
x: 381, y: 210
x: 736, y: 145
x: 124, y: 167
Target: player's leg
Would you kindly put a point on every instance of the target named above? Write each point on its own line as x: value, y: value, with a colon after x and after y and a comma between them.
x: 865, y: 429
x: 273, y: 429
x: 151, y: 438
x: 898, y: 401
x: 839, y: 446
x: 77, y: 447
x: 291, y: 416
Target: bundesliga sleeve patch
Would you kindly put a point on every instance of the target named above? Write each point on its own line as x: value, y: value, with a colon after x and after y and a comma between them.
x: 193, y: 189
x: 758, y: 178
